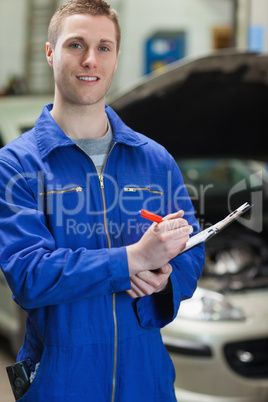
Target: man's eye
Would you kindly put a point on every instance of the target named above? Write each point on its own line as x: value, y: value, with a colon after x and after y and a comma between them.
x: 103, y: 48
x: 76, y: 46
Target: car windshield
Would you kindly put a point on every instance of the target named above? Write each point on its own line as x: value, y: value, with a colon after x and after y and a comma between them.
x: 218, y: 186
x: 219, y: 175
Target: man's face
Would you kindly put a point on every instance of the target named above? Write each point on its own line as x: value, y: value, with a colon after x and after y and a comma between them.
x: 84, y: 59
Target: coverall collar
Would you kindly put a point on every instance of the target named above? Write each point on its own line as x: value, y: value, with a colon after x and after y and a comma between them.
x: 51, y: 136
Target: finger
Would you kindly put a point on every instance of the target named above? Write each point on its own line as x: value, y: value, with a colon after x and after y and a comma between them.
x: 168, y: 225
x: 145, y: 282
x: 175, y: 215
x: 153, y: 279
x: 179, y: 234
x: 174, y: 220
x: 164, y: 286
x: 173, y: 224
x: 134, y: 292
x: 166, y: 269
x: 184, y: 230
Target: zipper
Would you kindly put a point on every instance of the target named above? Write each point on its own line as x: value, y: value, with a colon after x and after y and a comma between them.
x: 115, y: 346
x: 77, y: 189
x: 103, y: 195
x: 101, y: 180
x: 134, y: 189
x: 114, y: 295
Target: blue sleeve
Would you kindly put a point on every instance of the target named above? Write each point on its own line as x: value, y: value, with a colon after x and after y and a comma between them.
x: 38, y: 273
x: 160, y: 309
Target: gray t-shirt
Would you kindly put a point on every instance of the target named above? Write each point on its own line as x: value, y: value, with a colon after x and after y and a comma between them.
x: 96, y: 148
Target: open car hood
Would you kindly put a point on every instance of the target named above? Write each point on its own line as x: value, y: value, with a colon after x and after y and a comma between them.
x: 208, y: 108
x: 214, y: 106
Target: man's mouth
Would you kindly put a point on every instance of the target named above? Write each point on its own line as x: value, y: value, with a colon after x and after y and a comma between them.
x: 88, y: 78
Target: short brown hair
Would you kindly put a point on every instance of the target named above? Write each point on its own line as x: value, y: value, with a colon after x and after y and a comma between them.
x: 91, y: 7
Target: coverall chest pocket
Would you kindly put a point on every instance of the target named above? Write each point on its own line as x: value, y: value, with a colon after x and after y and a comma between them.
x: 65, y: 210
x: 136, y: 193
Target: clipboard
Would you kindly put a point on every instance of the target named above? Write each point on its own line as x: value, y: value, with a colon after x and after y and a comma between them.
x: 206, y: 234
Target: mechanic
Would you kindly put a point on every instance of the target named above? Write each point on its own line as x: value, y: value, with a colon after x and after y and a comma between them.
x: 97, y: 280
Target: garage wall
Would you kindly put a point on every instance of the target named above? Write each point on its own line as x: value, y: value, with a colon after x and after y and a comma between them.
x: 139, y: 19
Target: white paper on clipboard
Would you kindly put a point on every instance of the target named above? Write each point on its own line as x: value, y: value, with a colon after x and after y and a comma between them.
x: 206, y: 234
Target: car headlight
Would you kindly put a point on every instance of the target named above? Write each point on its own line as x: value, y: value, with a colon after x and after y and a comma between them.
x: 207, y: 305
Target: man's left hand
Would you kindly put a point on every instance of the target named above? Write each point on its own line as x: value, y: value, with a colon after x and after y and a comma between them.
x: 146, y: 283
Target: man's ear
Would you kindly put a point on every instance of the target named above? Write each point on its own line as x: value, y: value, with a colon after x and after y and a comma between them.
x: 116, y: 65
x: 49, y: 54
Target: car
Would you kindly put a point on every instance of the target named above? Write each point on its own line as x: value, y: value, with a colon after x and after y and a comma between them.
x: 210, y: 113
x: 219, y: 340
x: 17, y: 114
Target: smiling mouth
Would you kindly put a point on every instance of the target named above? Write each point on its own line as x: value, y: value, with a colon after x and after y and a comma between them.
x: 88, y: 78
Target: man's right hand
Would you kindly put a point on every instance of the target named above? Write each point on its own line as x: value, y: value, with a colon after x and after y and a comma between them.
x: 159, y: 244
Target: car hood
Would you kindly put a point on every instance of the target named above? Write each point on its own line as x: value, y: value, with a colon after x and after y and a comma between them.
x: 212, y: 106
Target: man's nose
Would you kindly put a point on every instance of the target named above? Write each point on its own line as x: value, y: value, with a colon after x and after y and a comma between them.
x: 90, y: 59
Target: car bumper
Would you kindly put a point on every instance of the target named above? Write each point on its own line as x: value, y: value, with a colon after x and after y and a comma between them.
x: 200, y: 352
x: 187, y: 396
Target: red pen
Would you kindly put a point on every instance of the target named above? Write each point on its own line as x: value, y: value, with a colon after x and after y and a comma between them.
x: 151, y: 216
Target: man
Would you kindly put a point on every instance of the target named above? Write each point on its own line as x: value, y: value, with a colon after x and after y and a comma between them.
x: 97, y: 280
